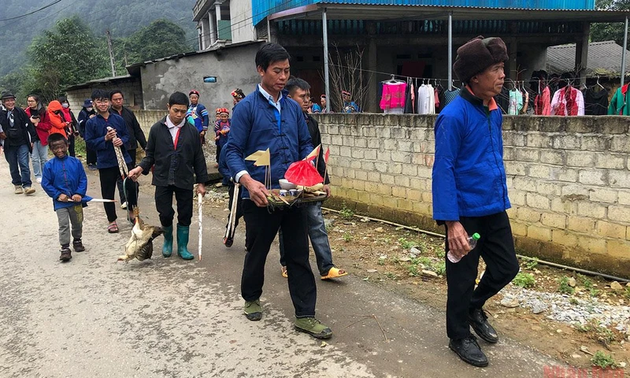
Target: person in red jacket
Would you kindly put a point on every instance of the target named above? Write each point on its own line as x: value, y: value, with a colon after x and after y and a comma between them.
x: 72, y: 123
x: 37, y: 113
x: 58, y: 123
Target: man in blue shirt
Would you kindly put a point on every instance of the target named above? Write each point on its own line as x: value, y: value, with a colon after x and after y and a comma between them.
x: 470, y: 196
x: 267, y: 119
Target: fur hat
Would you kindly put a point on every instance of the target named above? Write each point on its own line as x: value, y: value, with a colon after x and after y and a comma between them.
x: 477, y: 55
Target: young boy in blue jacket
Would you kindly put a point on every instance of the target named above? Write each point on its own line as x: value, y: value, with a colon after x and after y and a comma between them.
x: 64, y: 180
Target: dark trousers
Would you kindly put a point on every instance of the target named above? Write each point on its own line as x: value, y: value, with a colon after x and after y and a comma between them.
x: 496, y: 247
x: 91, y: 156
x: 164, y: 205
x: 119, y: 182
x: 71, y: 140
x: 261, y: 229
x: 108, y: 177
x: 218, y: 153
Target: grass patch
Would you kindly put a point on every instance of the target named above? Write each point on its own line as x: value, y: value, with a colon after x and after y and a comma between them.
x: 531, y: 264
x: 603, y: 360
x: 346, y: 213
x: 524, y: 280
x: 564, y: 286
x: 407, y: 244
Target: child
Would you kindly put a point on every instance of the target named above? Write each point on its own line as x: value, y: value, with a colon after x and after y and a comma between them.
x: 221, y: 129
x: 64, y: 180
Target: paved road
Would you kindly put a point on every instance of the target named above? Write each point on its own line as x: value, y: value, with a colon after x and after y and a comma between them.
x: 94, y: 317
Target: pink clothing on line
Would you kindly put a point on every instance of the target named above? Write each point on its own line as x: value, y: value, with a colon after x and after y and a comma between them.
x: 393, y: 95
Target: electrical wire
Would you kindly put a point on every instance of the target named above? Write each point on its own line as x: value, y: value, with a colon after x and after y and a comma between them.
x: 32, y: 12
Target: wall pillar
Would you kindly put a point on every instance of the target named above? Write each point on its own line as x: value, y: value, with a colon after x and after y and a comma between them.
x: 581, y: 54
x: 371, y: 106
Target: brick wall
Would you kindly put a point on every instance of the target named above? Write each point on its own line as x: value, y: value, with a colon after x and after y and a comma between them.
x: 568, y: 180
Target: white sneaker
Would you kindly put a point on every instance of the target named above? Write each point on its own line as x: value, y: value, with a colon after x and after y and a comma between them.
x: 39, y: 180
x: 124, y: 205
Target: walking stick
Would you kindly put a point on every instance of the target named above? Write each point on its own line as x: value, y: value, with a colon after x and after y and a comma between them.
x: 229, y: 232
x: 200, y: 203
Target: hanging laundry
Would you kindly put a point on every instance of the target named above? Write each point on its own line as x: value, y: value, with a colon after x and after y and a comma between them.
x: 393, y: 96
x: 595, y: 101
x: 619, y: 102
x: 426, y: 99
x: 567, y: 101
x: 542, y: 102
x: 515, y: 102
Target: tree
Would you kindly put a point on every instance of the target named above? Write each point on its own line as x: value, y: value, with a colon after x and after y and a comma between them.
x: 160, y: 39
x: 65, y: 55
x: 609, y: 31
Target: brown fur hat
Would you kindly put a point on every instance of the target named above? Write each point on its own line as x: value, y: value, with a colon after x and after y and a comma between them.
x: 478, y: 54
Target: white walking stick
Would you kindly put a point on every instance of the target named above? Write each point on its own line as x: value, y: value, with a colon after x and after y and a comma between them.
x: 229, y: 231
x: 200, y: 203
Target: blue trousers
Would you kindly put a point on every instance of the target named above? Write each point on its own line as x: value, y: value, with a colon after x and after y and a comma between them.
x: 17, y: 157
x: 319, y: 238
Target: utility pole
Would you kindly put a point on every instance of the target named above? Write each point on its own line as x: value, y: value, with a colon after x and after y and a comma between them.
x: 111, y: 53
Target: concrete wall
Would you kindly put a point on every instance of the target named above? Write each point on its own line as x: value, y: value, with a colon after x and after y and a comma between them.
x: 241, y: 19
x: 233, y: 67
x: 132, y: 91
x: 568, y: 180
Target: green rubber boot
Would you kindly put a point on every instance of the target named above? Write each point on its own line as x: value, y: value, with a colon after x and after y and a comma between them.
x: 167, y: 247
x: 182, y: 242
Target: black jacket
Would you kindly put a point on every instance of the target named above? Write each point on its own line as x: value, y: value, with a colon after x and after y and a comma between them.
x: 23, y: 130
x: 316, y: 138
x: 136, y: 135
x: 84, y: 115
x: 181, y: 167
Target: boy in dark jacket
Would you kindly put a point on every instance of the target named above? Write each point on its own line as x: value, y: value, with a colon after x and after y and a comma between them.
x: 64, y: 180
x: 102, y: 134
x: 174, y: 148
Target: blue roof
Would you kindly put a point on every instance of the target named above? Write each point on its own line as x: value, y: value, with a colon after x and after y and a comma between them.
x: 264, y: 8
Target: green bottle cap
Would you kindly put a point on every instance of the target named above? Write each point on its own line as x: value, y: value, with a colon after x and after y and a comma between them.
x: 476, y: 236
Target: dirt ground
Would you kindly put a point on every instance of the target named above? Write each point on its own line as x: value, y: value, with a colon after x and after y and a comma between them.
x: 379, y: 253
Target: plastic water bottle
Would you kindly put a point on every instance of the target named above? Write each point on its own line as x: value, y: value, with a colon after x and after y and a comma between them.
x: 472, y: 242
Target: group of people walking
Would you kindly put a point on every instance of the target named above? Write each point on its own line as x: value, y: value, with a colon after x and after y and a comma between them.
x: 469, y: 181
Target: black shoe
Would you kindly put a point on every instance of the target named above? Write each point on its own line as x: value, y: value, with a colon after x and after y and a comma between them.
x: 78, y: 245
x: 66, y: 255
x: 468, y: 350
x: 479, y: 322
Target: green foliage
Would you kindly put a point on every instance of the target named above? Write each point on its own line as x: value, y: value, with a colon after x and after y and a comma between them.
x: 160, y: 39
x: 585, y: 281
x: 609, y: 31
x: 531, y: 264
x: 347, y: 237
x: 65, y: 55
x: 603, y: 360
x: 627, y: 292
x: 524, y: 280
x: 564, y: 286
x: 121, y: 17
x: 346, y: 213
x: 406, y: 244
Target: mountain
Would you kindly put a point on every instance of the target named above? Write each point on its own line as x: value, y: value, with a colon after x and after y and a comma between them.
x: 121, y: 17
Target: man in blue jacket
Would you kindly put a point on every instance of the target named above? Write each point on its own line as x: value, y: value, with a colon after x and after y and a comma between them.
x: 102, y: 133
x: 470, y: 195
x: 267, y: 119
